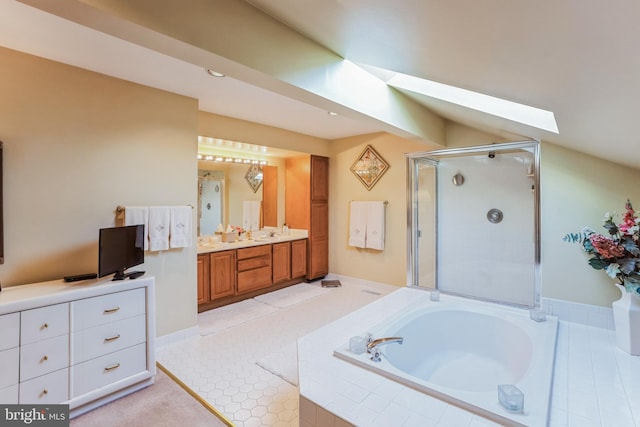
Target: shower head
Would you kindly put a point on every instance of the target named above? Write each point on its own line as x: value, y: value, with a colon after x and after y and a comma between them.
x: 492, y: 154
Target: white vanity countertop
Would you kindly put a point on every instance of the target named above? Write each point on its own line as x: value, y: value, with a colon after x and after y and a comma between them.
x: 256, y: 241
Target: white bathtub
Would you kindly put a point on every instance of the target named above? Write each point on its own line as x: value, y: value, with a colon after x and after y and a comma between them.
x: 460, y: 350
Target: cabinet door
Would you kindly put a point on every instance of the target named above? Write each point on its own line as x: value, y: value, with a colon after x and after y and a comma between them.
x: 222, y: 274
x: 319, y: 179
x: 319, y: 241
x: 203, y: 278
x: 281, y: 261
x: 298, y: 258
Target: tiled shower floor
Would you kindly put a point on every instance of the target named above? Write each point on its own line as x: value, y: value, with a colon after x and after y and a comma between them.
x: 222, y: 368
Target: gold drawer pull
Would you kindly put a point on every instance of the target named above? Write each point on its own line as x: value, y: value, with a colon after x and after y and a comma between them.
x: 112, y: 338
x: 111, y: 368
x: 111, y: 310
x: 44, y: 358
x: 45, y: 391
x: 44, y: 326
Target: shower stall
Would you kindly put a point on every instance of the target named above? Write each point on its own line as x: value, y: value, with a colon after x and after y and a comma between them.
x: 473, y: 222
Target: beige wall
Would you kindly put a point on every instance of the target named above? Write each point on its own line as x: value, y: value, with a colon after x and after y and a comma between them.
x: 78, y: 144
x: 389, y: 265
x: 576, y: 191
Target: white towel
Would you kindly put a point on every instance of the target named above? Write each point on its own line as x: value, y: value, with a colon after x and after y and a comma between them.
x: 159, y: 217
x: 180, y: 226
x: 134, y: 215
x: 251, y: 215
x: 375, y: 225
x: 358, y: 224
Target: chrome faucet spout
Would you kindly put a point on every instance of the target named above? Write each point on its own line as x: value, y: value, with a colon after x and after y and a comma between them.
x: 372, y: 346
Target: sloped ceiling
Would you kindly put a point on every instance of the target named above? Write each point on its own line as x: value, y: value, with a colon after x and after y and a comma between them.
x: 578, y: 60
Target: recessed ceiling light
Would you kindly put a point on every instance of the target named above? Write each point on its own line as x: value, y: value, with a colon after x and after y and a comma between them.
x: 331, y: 113
x: 214, y: 73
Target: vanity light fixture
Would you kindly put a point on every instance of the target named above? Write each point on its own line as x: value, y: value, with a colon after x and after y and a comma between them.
x: 214, y: 73
x: 220, y: 159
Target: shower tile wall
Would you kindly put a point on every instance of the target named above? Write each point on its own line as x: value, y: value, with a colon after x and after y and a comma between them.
x: 476, y: 257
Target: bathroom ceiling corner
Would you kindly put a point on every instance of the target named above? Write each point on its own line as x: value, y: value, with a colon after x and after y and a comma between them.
x: 577, y: 62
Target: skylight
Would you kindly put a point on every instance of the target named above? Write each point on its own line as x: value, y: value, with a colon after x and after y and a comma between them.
x: 514, y: 111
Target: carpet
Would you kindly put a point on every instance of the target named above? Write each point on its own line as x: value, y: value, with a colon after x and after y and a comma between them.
x: 292, y: 295
x: 283, y: 363
x: 164, y: 404
x: 213, y: 321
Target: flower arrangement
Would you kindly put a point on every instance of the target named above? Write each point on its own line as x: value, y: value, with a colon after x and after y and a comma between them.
x: 237, y: 229
x: 617, y: 253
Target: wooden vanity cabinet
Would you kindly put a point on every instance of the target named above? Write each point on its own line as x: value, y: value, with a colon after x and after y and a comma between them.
x: 298, y: 258
x: 222, y: 274
x: 307, y: 207
x: 281, y: 262
x: 203, y: 278
x: 254, y: 268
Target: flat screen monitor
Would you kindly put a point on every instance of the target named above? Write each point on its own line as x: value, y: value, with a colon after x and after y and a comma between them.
x: 120, y: 248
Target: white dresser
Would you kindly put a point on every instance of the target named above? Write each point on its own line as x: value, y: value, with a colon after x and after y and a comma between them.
x: 81, y: 343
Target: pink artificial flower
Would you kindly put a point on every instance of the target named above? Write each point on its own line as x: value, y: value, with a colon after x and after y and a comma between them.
x: 629, y: 218
x: 606, y: 247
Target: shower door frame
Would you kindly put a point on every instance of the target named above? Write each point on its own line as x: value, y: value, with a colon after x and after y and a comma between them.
x: 431, y: 157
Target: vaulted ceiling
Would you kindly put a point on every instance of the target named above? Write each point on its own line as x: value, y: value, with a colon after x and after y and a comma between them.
x: 288, y: 62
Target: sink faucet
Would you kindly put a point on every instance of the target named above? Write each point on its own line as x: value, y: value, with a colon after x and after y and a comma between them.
x: 372, y: 346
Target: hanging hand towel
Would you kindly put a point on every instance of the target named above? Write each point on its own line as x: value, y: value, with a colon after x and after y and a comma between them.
x: 180, y: 226
x: 375, y: 225
x: 357, y: 224
x: 134, y: 215
x: 251, y: 215
x: 159, y: 218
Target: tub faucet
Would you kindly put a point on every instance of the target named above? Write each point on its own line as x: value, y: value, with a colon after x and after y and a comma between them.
x: 372, y: 346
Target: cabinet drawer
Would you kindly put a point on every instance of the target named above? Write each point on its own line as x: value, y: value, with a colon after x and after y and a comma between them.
x: 9, y: 395
x: 44, y: 323
x: 108, y: 369
x: 50, y: 388
x: 9, y: 362
x: 42, y: 357
x: 100, y: 340
x: 251, y: 263
x: 9, y: 331
x: 254, y: 251
x: 91, y: 312
x: 254, y: 279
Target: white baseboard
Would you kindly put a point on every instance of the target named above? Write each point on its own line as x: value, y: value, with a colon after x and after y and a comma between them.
x: 177, y: 336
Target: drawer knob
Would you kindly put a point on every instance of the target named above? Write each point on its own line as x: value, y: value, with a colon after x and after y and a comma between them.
x: 111, y: 310
x: 44, y: 326
x: 112, y: 338
x: 44, y: 358
x: 111, y: 368
x: 45, y: 391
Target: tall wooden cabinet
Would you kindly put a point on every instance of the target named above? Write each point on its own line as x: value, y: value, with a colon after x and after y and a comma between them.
x: 307, y: 207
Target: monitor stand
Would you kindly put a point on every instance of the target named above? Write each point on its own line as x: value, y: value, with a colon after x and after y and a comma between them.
x: 121, y: 275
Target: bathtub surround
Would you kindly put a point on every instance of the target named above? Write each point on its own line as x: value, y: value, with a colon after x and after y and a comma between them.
x: 483, y: 345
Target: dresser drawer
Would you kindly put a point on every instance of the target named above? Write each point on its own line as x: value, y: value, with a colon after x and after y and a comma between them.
x: 43, y: 357
x: 9, y: 362
x: 44, y: 323
x: 9, y: 331
x: 9, y: 395
x: 50, y: 388
x: 254, y: 251
x: 100, y: 340
x: 91, y: 312
x: 108, y: 369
